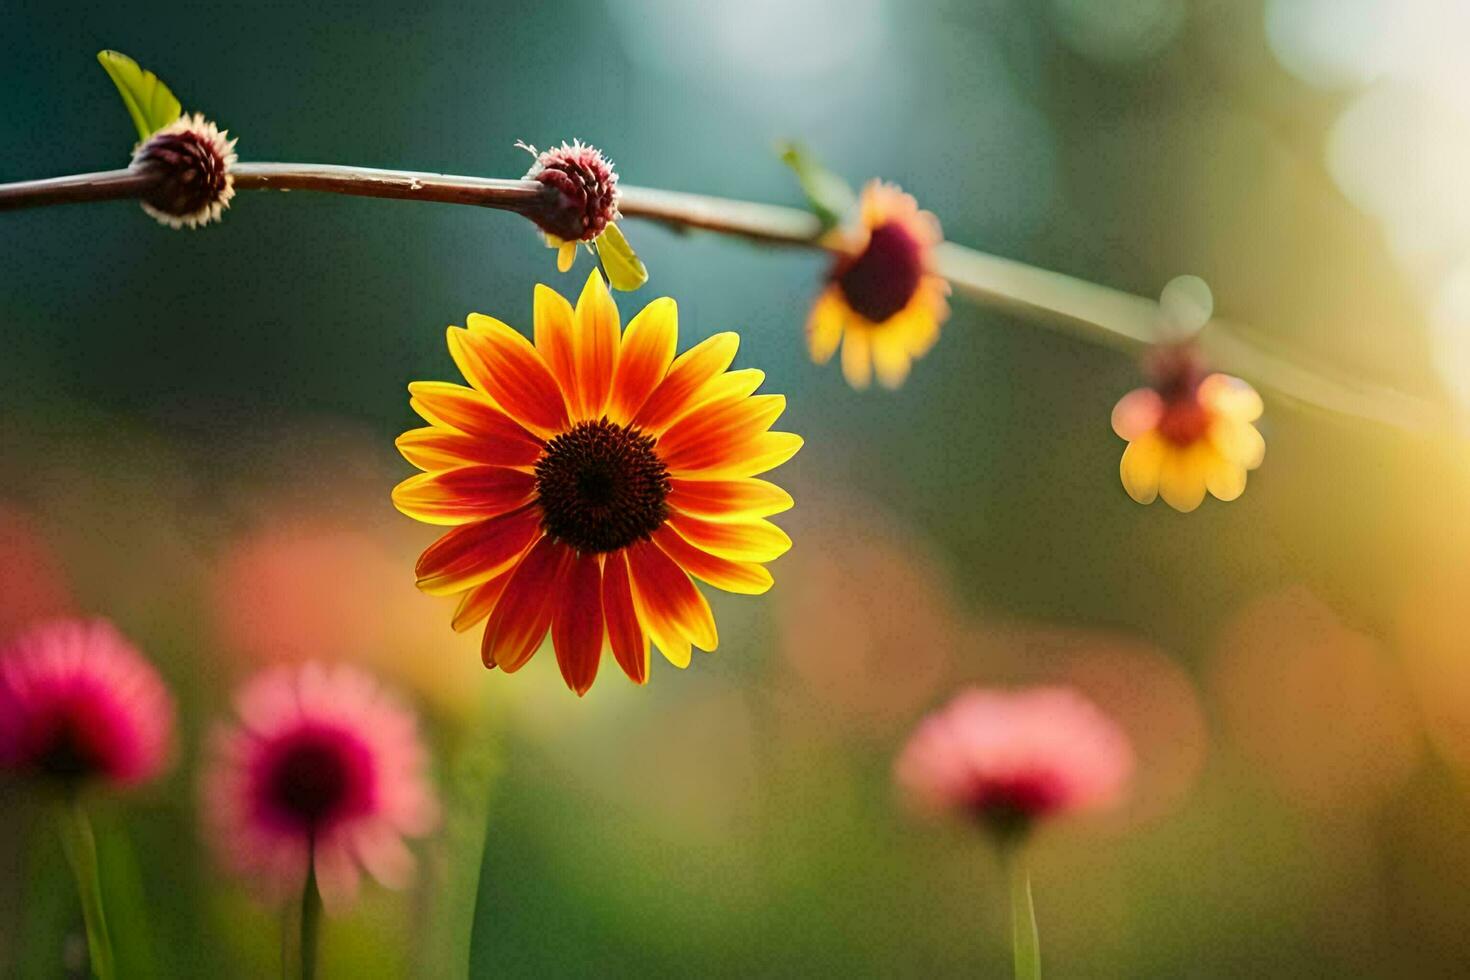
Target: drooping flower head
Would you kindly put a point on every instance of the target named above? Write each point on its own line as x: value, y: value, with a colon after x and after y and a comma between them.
x: 1188, y: 432
x: 325, y: 767
x: 883, y: 303
x: 587, y: 195
x: 194, y: 159
x: 1011, y: 758
x: 587, y: 477
x: 80, y: 705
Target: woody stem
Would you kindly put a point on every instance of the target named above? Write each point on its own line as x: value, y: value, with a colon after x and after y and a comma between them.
x: 1095, y: 312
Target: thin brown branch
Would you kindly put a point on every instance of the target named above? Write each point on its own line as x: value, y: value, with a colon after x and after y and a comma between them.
x: 1098, y: 313
x: 107, y: 185
x: 520, y: 196
x: 758, y: 222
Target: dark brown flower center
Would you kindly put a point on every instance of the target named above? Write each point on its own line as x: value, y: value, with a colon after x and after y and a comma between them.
x: 73, y: 748
x: 601, y: 486
x: 882, y: 280
x: 316, y: 779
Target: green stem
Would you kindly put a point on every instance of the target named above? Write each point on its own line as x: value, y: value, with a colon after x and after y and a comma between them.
x: 311, y: 918
x: 80, y: 847
x: 1024, y: 939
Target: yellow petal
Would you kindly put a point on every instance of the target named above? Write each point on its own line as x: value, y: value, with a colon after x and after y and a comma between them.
x: 921, y: 331
x: 1238, y: 441
x: 857, y: 360
x: 1140, y: 467
x: 1225, y: 479
x: 824, y: 326
x: 1231, y: 397
x: 1182, y: 477
x: 566, y: 254
x: 890, y: 357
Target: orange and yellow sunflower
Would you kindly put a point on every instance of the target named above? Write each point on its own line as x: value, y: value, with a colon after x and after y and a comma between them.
x: 586, y: 478
x: 883, y: 303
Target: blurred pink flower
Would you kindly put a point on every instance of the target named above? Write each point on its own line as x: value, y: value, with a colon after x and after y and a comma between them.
x: 79, y: 703
x: 325, y: 766
x: 1010, y: 758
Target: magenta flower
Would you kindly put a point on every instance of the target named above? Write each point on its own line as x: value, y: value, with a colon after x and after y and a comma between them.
x: 79, y: 704
x: 325, y: 769
x: 1010, y: 758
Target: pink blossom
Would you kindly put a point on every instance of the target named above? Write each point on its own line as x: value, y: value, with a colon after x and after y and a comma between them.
x: 79, y: 703
x: 1010, y: 758
x: 326, y: 767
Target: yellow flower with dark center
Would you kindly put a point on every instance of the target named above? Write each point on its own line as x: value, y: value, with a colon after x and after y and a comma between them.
x: 587, y: 477
x: 883, y: 303
x: 1188, y: 433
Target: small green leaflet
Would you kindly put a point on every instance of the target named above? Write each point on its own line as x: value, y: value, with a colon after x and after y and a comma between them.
x: 624, y: 269
x: 827, y: 194
x: 149, y: 101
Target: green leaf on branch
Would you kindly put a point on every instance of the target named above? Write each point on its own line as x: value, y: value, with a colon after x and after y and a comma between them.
x: 625, y: 271
x: 827, y: 195
x: 148, y: 100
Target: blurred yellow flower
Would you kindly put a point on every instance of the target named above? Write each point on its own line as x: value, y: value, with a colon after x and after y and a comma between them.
x: 883, y: 304
x: 1188, y: 433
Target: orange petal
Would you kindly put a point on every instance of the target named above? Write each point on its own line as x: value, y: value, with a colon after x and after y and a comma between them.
x: 719, y: 500
x: 643, y: 360
x: 523, y: 614
x: 464, y: 494
x: 745, y: 578
x: 503, y: 364
x: 689, y: 373
x: 433, y: 448
x: 661, y: 594
x: 480, y: 601
x: 745, y: 541
x: 475, y: 553
x: 705, y: 434
x: 596, y: 346
x: 576, y: 626
x: 552, y: 318
x: 731, y: 384
x: 624, y: 632
x: 465, y: 410
x: 472, y: 368
x: 741, y: 459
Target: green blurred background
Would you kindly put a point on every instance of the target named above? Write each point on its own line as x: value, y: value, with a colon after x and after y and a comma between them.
x: 196, y: 440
